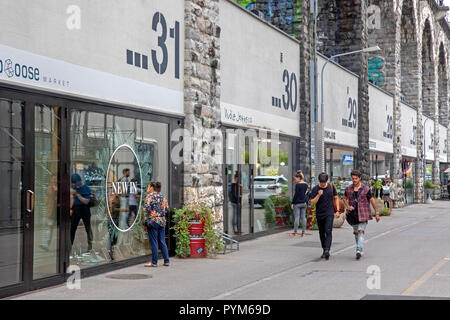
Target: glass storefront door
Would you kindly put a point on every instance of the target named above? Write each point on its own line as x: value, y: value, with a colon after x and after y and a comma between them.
x: 258, y: 183
x: 30, y: 162
x: 239, y: 182
x: 12, y: 167
x: 47, y: 178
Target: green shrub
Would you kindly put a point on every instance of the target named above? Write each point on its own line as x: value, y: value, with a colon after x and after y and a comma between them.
x: 429, y: 185
x: 409, y: 184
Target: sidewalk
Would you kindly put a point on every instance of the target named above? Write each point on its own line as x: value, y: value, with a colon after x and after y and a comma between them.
x: 259, y: 260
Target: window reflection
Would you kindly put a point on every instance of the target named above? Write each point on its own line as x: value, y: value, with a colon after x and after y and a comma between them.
x: 116, y: 214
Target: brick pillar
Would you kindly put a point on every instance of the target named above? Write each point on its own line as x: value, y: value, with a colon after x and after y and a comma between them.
x: 342, y: 27
x: 384, y: 26
x: 436, y: 166
x: 203, y: 174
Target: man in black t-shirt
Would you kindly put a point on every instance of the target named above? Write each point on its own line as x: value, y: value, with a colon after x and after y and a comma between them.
x: 324, y: 196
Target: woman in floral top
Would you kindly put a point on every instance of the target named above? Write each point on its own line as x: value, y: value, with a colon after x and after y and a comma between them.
x: 156, y: 208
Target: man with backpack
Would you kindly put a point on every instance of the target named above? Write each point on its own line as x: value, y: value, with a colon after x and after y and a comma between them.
x: 357, y: 198
x: 326, y: 200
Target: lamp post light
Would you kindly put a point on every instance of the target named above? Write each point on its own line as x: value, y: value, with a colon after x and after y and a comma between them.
x: 371, y: 49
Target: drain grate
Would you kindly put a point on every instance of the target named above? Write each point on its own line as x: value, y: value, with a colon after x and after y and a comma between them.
x: 132, y: 276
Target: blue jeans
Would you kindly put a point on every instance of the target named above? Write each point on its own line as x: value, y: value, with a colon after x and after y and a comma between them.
x: 359, y: 236
x: 157, y: 235
x: 299, y: 212
x: 234, y: 220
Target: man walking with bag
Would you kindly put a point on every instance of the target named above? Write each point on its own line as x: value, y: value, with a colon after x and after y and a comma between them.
x: 326, y: 200
x: 357, y: 199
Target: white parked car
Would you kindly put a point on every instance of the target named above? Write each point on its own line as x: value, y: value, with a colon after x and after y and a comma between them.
x: 266, y: 186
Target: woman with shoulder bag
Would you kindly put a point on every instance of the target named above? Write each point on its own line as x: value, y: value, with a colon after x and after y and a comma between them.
x: 299, y: 203
x: 156, y: 207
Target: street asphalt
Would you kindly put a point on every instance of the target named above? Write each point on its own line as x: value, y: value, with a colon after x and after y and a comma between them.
x: 410, y: 249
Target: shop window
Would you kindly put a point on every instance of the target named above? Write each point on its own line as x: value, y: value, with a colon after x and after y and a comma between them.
x: 116, y: 158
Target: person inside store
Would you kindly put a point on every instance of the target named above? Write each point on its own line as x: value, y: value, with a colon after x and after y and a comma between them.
x: 126, y: 175
x: 233, y: 196
x: 80, y: 210
x: 133, y: 202
x: 114, y: 213
x: 156, y: 209
x: 51, y: 201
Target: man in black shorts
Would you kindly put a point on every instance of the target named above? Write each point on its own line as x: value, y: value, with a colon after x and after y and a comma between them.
x: 324, y: 197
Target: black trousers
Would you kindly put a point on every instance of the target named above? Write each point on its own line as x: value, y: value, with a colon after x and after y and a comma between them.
x: 325, y: 225
x: 81, y: 212
x: 131, y: 210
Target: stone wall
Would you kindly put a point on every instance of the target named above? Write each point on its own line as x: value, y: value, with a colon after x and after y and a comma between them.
x: 342, y: 27
x: 203, y: 181
x: 407, y: 66
x: 304, y: 32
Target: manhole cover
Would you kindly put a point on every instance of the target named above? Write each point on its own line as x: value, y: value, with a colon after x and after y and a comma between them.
x: 133, y: 276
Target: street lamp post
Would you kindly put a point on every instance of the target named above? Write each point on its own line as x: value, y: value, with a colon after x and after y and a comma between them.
x: 428, y: 200
x: 371, y: 49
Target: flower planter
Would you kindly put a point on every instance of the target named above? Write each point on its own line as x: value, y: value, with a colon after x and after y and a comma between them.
x: 308, y: 223
x: 279, y: 210
x: 197, y: 247
x: 197, y: 242
x: 279, y: 220
x: 429, y: 195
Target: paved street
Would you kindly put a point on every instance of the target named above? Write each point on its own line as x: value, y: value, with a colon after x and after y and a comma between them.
x: 411, y: 248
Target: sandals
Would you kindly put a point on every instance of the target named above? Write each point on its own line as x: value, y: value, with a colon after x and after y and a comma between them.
x: 150, y: 265
x: 293, y: 234
x: 303, y: 234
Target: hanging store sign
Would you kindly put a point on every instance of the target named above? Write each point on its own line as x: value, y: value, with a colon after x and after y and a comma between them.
x: 380, y: 120
x: 259, y: 73
x: 340, y: 104
x: 409, y: 131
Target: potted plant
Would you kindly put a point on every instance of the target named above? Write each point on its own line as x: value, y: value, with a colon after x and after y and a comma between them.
x: 183, y: 219
x: 269, y: 213
x: 311, y: 219
x: 283, y: 210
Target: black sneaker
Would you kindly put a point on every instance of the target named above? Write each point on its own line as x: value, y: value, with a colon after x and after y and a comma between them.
x: 323, y: 255
x: 358, y: 255
x: 327, y: 255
